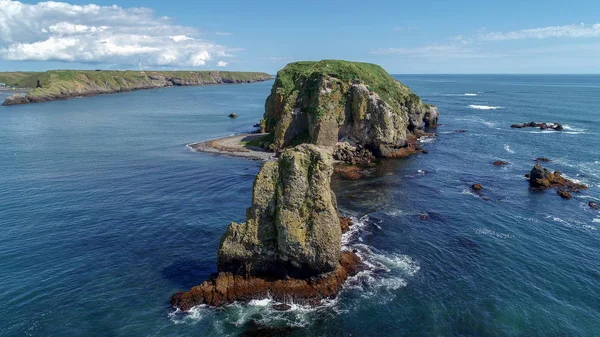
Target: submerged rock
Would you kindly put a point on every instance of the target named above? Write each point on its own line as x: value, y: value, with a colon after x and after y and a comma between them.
x: 476, y: 187
x: 500, y: 163
x: 542, y: 160
x: 349, y: 172
x: 328, y: 101
x: 232, y: 115
x: 564, y: 194
x: 593, y: 205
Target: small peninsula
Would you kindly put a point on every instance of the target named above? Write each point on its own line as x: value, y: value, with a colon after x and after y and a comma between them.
x: 64, y: 84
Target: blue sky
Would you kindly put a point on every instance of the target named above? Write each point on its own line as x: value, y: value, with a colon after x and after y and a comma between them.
x: 402, y: 36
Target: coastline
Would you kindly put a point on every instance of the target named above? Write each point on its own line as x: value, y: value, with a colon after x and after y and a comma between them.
x: 235, y: 146
x: 84, y: 84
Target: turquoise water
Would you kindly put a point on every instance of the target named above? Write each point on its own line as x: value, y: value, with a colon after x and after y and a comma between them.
x: 105, y: 214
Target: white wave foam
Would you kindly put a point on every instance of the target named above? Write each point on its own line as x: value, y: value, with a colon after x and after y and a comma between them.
x: 572, y: 223
x: 477, y: 120
x: 491, y: 233
x: 596, y: 220
x: 508, y: 149
x: 484, y: 107
x: 570, y: 128
x: 260, y: 303
x: 470, y: 94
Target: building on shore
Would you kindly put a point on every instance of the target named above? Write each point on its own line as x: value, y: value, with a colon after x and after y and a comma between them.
x: 3, y: 85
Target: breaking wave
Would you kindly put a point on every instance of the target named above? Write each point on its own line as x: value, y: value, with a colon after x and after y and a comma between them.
x: 484, y: 107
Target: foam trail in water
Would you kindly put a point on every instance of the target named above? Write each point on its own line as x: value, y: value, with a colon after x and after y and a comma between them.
x: 470, y: 94
x: 508, y: 149
x: 484, y: 107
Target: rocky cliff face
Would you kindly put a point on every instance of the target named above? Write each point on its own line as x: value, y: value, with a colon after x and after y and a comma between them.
x: 328, y: 101
x: 292, y: 228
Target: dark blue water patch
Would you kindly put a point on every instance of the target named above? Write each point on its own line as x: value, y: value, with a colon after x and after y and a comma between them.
x: 105, y: 214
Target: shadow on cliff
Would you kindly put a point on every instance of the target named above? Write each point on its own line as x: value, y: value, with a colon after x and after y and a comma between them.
x: 188, y: 273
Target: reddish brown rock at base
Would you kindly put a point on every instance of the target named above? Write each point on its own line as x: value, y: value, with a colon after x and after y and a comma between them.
x: 500, y: 163
x: 345, y: 224
x: 224, y: 288
x: 349, y: 172
x: 476, y: 187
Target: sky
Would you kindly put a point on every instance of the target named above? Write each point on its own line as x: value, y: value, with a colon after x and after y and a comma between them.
x: 414, y: 37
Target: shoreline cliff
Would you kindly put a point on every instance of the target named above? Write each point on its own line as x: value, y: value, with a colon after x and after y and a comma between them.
x: 64, y: 84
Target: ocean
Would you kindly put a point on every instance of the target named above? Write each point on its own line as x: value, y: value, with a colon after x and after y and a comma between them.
x: 105, y: 213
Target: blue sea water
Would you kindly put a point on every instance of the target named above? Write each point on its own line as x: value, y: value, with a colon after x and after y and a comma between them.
x: 105, y: 213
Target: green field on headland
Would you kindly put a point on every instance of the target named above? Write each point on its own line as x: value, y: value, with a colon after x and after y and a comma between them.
x: 62, y: 84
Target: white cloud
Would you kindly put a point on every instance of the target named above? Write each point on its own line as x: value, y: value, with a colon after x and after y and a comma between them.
x: 480, y: 44
x: 60, y: 31
x: 221, y: 64
x: 574, y: 31
x: 223, y: 34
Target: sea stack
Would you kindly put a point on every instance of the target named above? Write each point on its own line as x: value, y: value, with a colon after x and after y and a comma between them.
x: 290, y: 245
x: 329, y: 101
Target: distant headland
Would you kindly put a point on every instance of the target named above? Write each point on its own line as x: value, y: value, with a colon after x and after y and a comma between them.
x: 64, y: 84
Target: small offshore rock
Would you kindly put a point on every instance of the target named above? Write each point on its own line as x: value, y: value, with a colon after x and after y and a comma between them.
x: 232, y: 115
x: 558, y: 127
x: 424, y: 151
x: 345, y: 224
x: 500, y: 163
x: 282, y: 307
x: 476, y: 187
x: 541, y: 177
x: 517, y: 126
x: 564, y: 194
x: 542, y: 160
x: 460, y: 131
x: 423, y: 216
x: 593, y: 205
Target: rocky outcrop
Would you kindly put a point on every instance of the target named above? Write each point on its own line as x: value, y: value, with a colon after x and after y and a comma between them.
x: 328, y: 101
x: 290, y: 245
x: 292, y: 228
x: 542, y: 126
x: 593, y: 205
x: 353, y: 155
x: 16, y: 99
x: 541, y: 177
x: 500, y: 163
x: 64, y: 84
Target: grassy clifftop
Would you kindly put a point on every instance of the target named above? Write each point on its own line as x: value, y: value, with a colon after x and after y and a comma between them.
x: 326, y: 101
x: 62, y: 84
x: 296, y: 74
